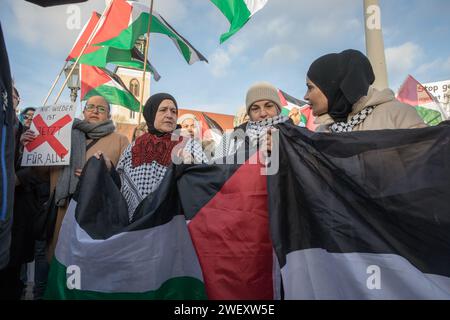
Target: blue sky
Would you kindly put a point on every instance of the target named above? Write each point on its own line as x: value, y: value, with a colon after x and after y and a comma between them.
x: 277, y: 45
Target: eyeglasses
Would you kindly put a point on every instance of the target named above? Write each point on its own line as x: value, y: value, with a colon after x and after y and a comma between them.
x: 92, y: 107
x: 28, y: 117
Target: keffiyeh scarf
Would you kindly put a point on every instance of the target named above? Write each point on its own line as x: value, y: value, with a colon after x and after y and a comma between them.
x: 348, y: 126
x: 144, y: 163
x: 254, y: 130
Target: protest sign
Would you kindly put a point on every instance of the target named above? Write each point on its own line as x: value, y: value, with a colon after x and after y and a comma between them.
x: 53, y: 128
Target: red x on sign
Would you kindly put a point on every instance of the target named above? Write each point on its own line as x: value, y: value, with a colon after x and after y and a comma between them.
x: 47, y: 134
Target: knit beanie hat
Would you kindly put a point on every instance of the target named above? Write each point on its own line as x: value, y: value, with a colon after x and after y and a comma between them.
x: 262, y: 91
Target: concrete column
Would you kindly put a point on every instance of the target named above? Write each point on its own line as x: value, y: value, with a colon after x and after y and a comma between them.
x: 375, y: 42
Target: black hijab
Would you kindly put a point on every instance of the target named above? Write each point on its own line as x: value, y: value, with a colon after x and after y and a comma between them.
x: 150, y: 109
x: 344, y: 78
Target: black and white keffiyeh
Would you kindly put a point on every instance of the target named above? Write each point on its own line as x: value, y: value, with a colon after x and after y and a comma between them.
x: 230, y: 143
x: 348, y: 126
x: 138, y: 182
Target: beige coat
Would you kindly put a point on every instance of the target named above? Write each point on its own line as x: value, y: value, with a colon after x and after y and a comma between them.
x: 389, y: 113
x: 112, y: 146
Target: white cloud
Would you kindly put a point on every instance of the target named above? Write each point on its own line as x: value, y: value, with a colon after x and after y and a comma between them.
x: 283, y: 53
x: 434, y: 66
x: 280, y: 27
x: 220, y: 62
x: 319, y: 30
x: 49, y: 29
x: 173, y: 10
x: 402, y: 59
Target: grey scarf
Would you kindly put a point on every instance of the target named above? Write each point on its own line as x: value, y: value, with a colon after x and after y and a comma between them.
x: 67, y: 181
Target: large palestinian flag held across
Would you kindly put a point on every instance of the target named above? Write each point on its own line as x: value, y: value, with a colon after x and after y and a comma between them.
x: 237, y: 12
x: 226, y: 206
x: 153, y: 257
x: 127, y: 20
x: 97, y: 81
x: 363, y: 215
x: 428, y: 107
x: 100, y: 255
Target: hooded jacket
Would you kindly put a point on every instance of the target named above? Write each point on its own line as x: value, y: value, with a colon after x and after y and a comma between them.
x: 389, y: 113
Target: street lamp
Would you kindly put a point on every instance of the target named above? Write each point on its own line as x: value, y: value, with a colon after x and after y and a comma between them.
x: 73, y: 82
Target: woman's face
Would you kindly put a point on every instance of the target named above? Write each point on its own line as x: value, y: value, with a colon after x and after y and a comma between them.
x: 263, y: 109
x: 166, y: 117
x: 188, y: 126
x: 316, y: 99
x: 28, y: 118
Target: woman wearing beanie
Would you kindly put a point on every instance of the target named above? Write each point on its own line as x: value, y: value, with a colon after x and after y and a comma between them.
x: 264, y: 111
x: 144, y: 163
x: 343, y: 99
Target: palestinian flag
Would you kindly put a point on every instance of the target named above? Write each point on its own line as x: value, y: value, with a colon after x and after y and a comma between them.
x: 97, y: 81
x: 298, y: 110
x: 237, y: 12
x: 101, y: 56
x: 100, y: 255
x: 226, y: 205
x: 127, y: 20
x: 362, y: 215
x: 415, y: 94
x: 211, y: 130
x: 229, y: 226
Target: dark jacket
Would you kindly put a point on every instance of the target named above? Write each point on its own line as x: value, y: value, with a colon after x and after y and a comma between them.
x: 6, y: 154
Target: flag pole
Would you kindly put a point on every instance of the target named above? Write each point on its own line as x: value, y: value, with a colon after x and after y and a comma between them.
x: 88, y: 42
x: 375, y: 43
x: 54, y: 84
x: 145, y: 60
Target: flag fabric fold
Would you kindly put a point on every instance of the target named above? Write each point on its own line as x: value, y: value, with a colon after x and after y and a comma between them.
x: 363, y: 215
x: 151, y: 258
x: 237, y: 12
x: 229, y: 227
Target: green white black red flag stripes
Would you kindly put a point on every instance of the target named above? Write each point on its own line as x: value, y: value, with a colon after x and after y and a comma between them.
x: 237, y: 12
x: 100, y: 255
x: 101, y: 56
x: 427, y: 106
x: 126, y: 21
x: 100, y: 82
x: 362, y: 215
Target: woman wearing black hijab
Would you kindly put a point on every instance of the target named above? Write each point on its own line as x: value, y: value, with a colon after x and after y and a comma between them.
x: 144, y: 163
x: 343, y: 99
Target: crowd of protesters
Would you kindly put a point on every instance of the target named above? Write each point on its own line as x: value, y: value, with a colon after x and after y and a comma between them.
x: 339, y: 90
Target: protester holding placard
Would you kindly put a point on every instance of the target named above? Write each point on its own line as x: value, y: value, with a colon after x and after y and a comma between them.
x: 93, y: 134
